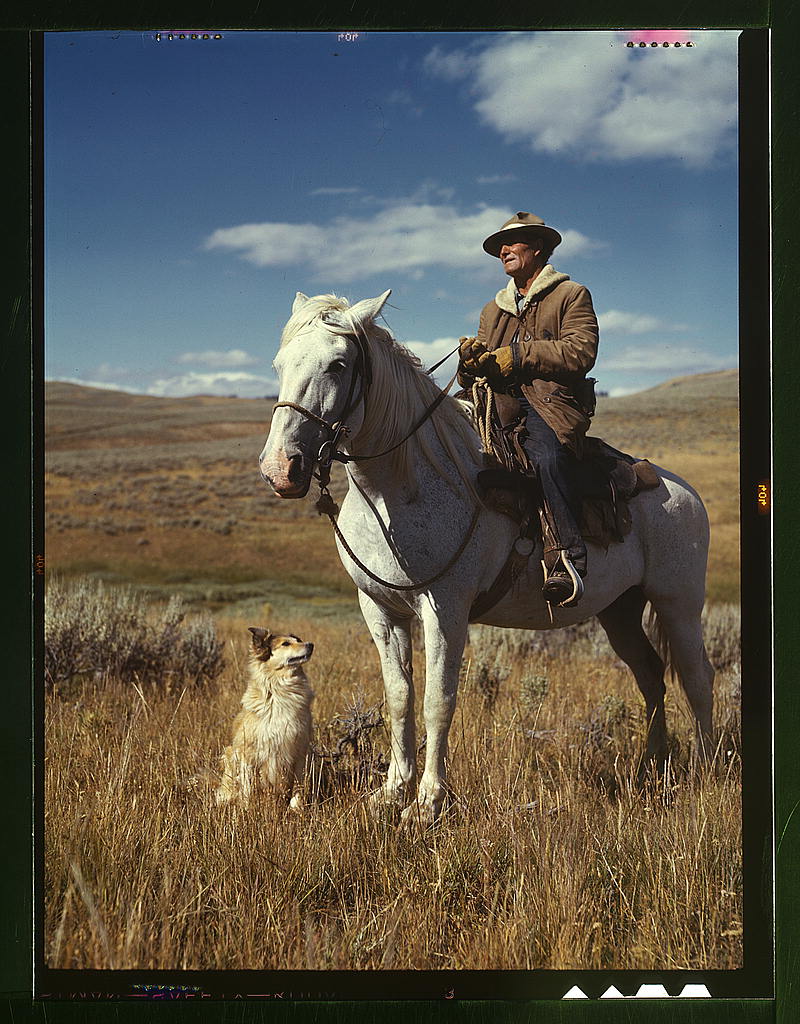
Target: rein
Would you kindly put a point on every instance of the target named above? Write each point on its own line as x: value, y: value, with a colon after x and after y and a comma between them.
x: 329, y: 451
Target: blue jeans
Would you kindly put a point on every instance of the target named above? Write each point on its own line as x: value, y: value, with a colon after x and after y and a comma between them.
x: 554, y: 465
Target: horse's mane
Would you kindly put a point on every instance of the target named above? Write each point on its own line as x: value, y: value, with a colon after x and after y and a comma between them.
x: 399, y: 393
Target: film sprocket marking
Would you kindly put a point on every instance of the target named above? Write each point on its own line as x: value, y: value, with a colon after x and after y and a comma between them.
x: 170, y: 37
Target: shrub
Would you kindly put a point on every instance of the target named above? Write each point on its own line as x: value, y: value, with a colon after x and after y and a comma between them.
x: 103, y: 631
x: 533, y: 690
x: 348, y: 745
x: 722, y: 629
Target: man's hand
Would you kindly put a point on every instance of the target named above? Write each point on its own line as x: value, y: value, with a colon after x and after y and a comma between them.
x: 496, y: 366
x: 469, y: 351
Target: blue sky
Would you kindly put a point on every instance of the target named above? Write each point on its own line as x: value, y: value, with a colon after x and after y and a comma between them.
x: 192, y: 187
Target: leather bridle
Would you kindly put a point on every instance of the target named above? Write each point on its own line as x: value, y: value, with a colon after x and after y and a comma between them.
x: 329, y: 449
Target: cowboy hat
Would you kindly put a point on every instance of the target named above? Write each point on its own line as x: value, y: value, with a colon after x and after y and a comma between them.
x: 521, y: 227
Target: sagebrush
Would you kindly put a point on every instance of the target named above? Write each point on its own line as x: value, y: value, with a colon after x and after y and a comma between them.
x: 550, y: 855
x: 101, y: 631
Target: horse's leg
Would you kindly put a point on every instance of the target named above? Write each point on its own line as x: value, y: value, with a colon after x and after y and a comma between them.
x: 443, y: 652
x: 622, y: 622
x: 681, y: 623
x: 392, y: 637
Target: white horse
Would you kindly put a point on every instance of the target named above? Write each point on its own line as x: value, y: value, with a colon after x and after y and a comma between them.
x: 419, y: 542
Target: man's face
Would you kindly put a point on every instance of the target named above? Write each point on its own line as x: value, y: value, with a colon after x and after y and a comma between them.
x: 521, y: 259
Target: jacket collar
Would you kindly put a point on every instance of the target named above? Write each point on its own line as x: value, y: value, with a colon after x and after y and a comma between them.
x: 547, y: 278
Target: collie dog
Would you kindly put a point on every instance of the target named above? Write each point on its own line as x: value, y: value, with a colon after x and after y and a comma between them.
x: 272, y: 732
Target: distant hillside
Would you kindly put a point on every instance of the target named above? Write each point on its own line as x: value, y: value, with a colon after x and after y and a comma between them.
x: 78, y: 417
x: 167, y: 492
x: 699, y: 410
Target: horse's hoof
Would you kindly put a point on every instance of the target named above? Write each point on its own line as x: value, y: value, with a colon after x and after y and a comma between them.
x: 418, y: 817
x: 384, y: 807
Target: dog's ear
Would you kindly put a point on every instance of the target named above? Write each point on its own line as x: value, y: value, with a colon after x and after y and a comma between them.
x: 261, y: 637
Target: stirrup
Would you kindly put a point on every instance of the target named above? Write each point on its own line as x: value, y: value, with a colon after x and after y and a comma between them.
x: 566, y: 576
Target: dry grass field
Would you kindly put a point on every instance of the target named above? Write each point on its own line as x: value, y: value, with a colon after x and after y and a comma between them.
x: 549, y: 856
x: 166, y: 492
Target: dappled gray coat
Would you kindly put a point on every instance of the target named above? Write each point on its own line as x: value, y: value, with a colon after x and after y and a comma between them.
x: 554, y: 342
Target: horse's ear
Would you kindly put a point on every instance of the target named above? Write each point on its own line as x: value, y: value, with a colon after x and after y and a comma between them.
x: 299, y: 301
x: 368, y: 309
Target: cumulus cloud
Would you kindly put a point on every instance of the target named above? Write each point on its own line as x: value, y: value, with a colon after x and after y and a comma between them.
x: 620, y: 392
x: 430, y: 352
x: 617, y: 321
x: 496, y: 179
x: 673, y: 359
x: 103, y: 384
x: 335, y: 191
x: 219, y: 360
x: 451, y: 66
x: 245, y: 385
x: 106, y: 371
x: 587, y: 96
x: 405, y: 98
x: 408, y: 237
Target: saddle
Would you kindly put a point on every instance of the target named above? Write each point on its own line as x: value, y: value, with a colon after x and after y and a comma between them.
x: 606, y: 479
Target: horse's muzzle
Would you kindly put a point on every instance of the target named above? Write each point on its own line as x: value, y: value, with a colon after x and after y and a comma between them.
x: 288, y: 476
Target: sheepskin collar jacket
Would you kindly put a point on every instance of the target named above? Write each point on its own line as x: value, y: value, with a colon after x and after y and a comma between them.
x: 553, y: 339
x: 547, y: 278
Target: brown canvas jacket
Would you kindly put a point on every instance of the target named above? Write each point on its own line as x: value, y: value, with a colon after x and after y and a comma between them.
x: 554, y: 342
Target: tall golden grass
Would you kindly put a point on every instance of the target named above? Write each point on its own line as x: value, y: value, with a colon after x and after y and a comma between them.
x: 549, y: 856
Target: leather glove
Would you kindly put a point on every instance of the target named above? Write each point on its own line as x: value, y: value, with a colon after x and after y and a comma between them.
x: 469, y: 350
x: 497, y: 365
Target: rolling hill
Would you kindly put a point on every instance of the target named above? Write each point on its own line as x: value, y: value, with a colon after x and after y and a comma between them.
x: 165, y: 492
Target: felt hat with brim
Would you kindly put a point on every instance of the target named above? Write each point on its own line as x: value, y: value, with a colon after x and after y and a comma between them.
x: 521, y: 228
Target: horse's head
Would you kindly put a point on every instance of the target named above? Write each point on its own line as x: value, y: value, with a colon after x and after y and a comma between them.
x: 323, y: 368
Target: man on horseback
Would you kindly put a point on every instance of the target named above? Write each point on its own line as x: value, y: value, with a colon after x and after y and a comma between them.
x: 536, y: 341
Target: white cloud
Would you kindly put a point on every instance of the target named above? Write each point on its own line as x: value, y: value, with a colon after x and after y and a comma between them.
x: 219, y: 360
x: 270, y: 244
x: 430, y: 352
x: 449, y: 66
x: 104, y: 384
x: 404, y: 98
x: 617, y: 321
x: 334, y: 191
x: 105, y: 371
x: 587, y: 96
x: 673, y: 359
x: 245, y: 385
x: 404, y: 237
x: 496, y: 179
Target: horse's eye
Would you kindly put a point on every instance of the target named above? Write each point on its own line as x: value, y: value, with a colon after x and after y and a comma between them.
x: 337, y: 366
